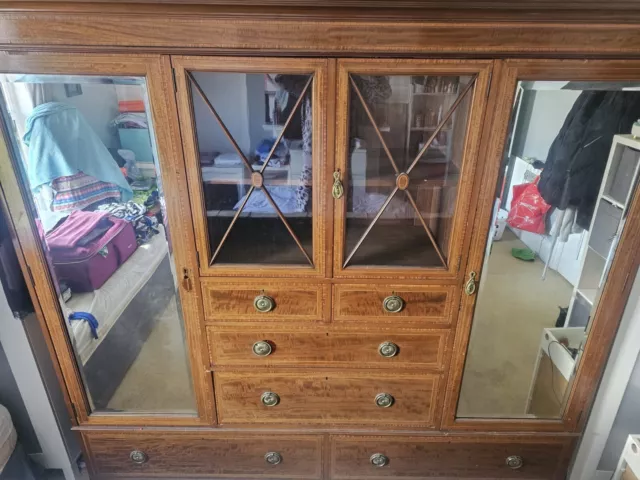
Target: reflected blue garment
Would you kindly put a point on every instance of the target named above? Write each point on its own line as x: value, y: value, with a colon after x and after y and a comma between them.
x: 61, y: 143
x: 90, y: 319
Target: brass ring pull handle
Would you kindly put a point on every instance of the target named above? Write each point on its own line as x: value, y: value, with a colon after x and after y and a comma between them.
x: 138, y: 457
x: 470, y: 286
x: 262, y: 348
x: 379, y: 460
x: 273, y: 458
x: 338, y: 190
x: 393, y: 304
x: 270, y: 399
x: 384, y: 400
x: 388, y: 349
x: 514, y: 461
x: 264, y: 303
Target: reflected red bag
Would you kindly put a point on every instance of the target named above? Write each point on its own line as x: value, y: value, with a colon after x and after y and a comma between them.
x: 528, y: 209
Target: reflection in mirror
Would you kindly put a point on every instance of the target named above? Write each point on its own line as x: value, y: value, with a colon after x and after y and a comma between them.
x: 255, y: 136
x: 405, y: 153
x: 85, y: 151
x: 567, y: 178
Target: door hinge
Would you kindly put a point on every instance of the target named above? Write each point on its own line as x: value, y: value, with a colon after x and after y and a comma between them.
x: 187, y: 284
x: 173, y: 76
x: 459, y: 262
x: 198, y: 258
x: 30, y: 276
x: 489, y: 83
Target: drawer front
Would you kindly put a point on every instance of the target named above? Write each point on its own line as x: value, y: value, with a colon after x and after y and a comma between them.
x: 213, y: 455
x: 326, y: 399
x: 450, y: 457
x: 292, y: 301
x: 365, y: 303
x: 264, y: 348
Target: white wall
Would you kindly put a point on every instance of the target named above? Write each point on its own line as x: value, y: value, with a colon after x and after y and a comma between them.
x: 541, y: 116
x: 227, y: 92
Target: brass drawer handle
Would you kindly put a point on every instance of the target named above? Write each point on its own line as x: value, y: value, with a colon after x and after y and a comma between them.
x: 138, y: 457
x: 388, y: 349
x: 264, y: 303
x: 273, y: 458
x: 379, y: 460
x: 384, y: 400
x: 514, y: 461
x: 262, y: 348
x: 470, y: 286
x: 393, y: 304
x: 270, y: 399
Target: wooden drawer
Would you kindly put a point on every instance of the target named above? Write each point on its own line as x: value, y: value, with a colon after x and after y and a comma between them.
x: 364, y: 303
x: 440, y: 457
x: 228, y: 301
x: 212, y: 455
x: 341, y: 398
x: 425, y: 350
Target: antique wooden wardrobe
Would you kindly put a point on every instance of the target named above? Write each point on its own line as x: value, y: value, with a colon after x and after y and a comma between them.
x: 323, y: 184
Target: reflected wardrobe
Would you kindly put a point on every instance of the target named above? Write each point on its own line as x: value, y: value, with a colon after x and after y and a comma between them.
x: 264, y: 246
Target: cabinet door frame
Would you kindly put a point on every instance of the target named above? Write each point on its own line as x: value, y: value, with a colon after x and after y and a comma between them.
x: 481, y: 69
x: 322, y: 98
x: 157, y: 73
x: 607, y: 316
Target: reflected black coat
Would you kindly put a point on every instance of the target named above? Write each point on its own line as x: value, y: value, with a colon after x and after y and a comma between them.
x: 578, y: 156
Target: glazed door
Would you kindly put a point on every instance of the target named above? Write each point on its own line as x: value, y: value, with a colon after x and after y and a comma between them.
x: 407, y: 146
x: 555, y: 245
x: 94, y: 182
x: 253, y: 132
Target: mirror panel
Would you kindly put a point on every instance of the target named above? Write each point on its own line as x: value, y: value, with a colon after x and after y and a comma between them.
x: 567, y: 178
x: 85, y: 153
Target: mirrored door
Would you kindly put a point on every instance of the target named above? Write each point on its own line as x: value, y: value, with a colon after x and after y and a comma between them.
x: 555, y: 245
x: 253, y: 131
x: 104, y: 240
x: 406, y: 147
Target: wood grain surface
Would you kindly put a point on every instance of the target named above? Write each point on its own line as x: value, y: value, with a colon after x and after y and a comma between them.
x: 423, y: 304
x: 329, y: 398
x: 456, y: 457
x: 424, y: 351
x: 230, y: 301
x: 217, y: 455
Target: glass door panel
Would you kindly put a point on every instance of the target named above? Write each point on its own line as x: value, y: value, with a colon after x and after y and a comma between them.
x: 254, y: 136
x: 405, y: 147
x: 570, y: 154
x: 85, y: 152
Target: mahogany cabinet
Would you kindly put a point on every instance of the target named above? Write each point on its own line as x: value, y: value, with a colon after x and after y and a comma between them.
x: 318, y: 289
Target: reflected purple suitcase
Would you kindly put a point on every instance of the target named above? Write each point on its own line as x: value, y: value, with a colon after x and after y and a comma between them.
x: 86, y: 268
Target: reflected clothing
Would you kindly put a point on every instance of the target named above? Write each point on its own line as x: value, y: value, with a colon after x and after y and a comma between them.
x: 578, y: 156
x: 61, y: 143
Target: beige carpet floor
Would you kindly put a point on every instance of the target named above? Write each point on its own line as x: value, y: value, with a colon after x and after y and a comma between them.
x: 514, y: 306
x: 159, y: 379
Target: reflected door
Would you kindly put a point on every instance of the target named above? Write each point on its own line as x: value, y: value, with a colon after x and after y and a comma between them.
x: 254, y: 143
x: 407, y: 142
x: 100, y: 224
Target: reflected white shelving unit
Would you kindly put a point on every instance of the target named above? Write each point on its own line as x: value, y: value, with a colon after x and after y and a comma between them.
x: 562, y: 347
x: 615, y: 194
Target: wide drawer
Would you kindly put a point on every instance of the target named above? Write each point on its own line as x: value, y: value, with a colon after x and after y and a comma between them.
x: 228, y: 301
x: 265, y: 348
x: 378, y: 303
x: 211, y: 455
x: 495, y: 457
x: 341, y: 398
